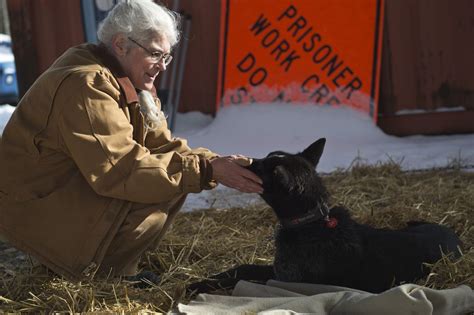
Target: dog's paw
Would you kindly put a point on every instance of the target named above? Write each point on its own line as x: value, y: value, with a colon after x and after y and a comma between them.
x: 212, y: 285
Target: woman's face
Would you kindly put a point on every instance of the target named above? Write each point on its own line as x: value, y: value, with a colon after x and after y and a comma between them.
x: 138, y: 64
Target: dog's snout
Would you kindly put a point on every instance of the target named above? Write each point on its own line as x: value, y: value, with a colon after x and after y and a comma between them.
x: 256, y: 166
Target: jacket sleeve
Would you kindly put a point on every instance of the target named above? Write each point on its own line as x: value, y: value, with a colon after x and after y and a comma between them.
x: 98, y: 137
x: 160, y: 139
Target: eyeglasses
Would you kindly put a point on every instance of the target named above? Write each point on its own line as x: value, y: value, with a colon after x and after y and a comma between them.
x: 157, y: 56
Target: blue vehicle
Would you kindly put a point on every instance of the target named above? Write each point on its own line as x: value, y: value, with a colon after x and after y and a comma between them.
x: 8, y: 82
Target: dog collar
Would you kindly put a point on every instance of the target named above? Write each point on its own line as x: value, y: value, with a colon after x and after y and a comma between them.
x: 314, y: 214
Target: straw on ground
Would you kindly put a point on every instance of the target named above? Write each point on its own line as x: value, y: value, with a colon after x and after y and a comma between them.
x: 209, y: 241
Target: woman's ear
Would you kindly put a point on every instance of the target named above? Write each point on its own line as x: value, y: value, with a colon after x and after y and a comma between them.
x: 119, y: 44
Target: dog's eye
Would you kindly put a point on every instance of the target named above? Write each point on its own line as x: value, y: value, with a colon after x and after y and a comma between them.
x: 281, y: 175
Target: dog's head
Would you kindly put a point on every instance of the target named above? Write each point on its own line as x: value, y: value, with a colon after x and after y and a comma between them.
x: 290, y: 182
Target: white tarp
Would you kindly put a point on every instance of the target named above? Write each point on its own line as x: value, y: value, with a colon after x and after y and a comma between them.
x: 294, y: 298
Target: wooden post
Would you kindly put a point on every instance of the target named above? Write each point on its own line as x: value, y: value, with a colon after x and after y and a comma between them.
x: 4, y: 25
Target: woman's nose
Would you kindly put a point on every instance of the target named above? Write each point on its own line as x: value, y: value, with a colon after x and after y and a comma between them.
x: 161, y: 65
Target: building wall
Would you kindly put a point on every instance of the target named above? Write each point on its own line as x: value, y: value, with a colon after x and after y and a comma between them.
x: 427, y: 84
x: 427, y: 55
x: 201, y: 72
x: 426, y: 60
x: 41, y: 31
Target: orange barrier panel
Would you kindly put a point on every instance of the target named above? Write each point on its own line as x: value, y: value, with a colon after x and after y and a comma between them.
x: 301, y: 51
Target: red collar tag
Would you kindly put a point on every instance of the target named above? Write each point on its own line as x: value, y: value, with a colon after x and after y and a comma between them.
x: 331, y: 223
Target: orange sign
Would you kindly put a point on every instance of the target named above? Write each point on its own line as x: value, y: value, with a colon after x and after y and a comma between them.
x: 301, y: 51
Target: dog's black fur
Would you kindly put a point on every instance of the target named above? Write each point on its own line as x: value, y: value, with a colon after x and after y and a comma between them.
x: 349, y: 254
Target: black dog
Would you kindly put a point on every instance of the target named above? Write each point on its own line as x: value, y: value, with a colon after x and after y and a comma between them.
x: 315, y: 244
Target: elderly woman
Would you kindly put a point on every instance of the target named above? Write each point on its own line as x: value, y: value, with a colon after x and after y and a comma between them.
x: 90, y: 175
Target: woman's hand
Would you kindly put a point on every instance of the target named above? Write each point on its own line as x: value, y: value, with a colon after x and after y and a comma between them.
x: 227, y: 170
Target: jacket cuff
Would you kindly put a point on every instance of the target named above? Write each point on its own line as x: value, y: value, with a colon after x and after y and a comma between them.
x: 205, y: 168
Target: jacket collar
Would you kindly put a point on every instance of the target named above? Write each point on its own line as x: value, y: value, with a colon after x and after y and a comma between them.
x: 111, y: 62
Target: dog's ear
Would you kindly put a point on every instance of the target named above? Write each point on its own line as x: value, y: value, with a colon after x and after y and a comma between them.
x: 314, y: 151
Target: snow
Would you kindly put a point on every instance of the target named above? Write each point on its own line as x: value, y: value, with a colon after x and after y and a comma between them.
x: 255, y: 130
x: 6, y: 54
x: 422, y: 111
x: 5, y: 113
x: 6, y: 57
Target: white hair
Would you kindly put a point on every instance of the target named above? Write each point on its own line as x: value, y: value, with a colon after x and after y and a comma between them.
x: 153, y: 116
x: 140, y: 20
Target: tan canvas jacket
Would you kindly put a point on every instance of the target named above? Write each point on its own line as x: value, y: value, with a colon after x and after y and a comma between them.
x: 75, y: 155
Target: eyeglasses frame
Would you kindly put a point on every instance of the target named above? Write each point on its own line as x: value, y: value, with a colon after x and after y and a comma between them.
x: 157, y: 56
